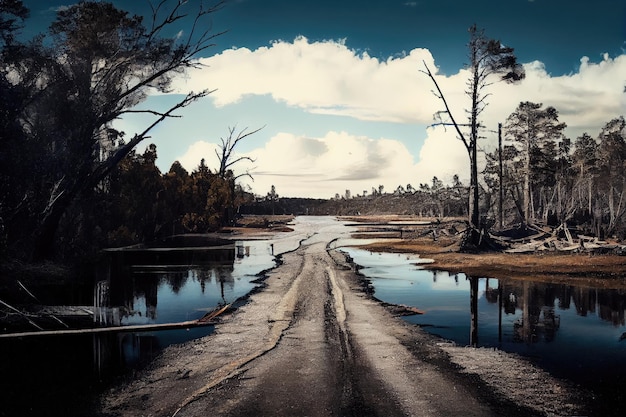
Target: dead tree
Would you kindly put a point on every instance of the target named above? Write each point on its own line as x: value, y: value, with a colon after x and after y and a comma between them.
x: 488, y: 59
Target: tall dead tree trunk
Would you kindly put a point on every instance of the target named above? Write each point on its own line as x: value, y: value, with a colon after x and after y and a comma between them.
x: 488, y: 59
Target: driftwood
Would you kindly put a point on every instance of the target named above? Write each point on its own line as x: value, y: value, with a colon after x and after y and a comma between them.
x: 112, y: 329
x: 21, y: 314
x: 549, y: 241
x: 207, y: 320
x: 208, y: 317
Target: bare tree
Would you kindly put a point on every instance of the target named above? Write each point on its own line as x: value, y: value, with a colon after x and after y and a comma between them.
x: 488, y: 59
x: 225, y: 154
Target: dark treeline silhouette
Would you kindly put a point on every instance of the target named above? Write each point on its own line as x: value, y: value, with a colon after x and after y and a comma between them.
x: 60, y: 93
x: 428, y: 200
x: 137, y: 203
x: 71, y: 184
x: 550, y: 180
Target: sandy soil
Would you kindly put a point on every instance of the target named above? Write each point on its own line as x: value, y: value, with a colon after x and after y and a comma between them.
x: 311, y: 342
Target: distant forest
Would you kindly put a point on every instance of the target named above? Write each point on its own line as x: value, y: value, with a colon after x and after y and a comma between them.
x: 539, y: 175
x: 70, y: 184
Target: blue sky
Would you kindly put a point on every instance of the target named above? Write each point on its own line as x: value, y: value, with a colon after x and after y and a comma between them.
x: 338, y: 87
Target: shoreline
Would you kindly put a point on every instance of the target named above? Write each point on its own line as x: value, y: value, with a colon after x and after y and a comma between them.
x: 603, y: 271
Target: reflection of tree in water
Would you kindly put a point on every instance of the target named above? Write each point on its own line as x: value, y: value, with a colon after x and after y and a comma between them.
x: 144, y: 286
x: 177, y: 280
x: 584, y: 301
x: 612, y: 306
x: 608, y: 304
x: 447, y: 275
x: 538, y: 321
x: 538, y: 303
x: 473, y: 310
x: 202, y: 276
x: 537, y: 327
x: 491, y: 293
x: 225, y: 277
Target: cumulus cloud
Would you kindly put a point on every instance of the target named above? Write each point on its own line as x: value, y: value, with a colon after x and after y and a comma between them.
x: 320, y: 167
x: 199, y: 150
x: 327, y: 77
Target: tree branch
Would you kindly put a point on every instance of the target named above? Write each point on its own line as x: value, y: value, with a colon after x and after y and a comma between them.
x: 445, y: 103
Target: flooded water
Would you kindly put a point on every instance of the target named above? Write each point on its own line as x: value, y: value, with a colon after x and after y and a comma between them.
x: 575, y: 332
x: 175, y: 293
x: 57, y: 376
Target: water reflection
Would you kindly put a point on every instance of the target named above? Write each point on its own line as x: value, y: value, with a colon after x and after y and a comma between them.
x: 171, y: 286
x: 473, y: 309
x: 155, y: 286
x: 63, y: 373
x: 573, y: 330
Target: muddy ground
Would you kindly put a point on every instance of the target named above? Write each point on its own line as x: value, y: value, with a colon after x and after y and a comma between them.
x: 312, y: 342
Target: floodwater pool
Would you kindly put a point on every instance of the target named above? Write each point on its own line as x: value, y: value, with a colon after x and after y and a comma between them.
x: 573, y: 331
x: 65, y: 373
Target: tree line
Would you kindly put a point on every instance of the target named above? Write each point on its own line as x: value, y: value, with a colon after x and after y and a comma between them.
x: 540, y: 174
x: 71, y: 183
x: 138, y: 203
x: 546, y: 177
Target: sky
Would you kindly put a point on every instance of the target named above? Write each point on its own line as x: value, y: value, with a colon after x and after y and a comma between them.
x: 338, y: 89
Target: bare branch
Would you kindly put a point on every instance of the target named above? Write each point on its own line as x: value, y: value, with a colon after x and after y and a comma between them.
x: 227, y: 148
x: 103, y: 168
x: 445, y: 103
x: 153, y: 112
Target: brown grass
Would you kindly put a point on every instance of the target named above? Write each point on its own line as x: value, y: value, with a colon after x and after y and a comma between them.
x: 549, y: 267
x: 559, y: 267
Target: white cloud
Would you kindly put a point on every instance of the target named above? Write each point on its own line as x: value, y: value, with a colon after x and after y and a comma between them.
x: 196, y: 152
x: 329, y: 78
x: 586, y: 100
x: 320, y: 167
x: 325, y: 77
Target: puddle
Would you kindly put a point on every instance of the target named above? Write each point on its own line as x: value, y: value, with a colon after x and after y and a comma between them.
x: 175, y: 293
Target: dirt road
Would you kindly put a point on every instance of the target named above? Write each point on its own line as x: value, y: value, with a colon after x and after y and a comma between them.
x: 312, y: 343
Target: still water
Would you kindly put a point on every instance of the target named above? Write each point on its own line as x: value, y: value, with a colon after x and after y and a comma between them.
x: 59, y: 376
x: 574, y: 332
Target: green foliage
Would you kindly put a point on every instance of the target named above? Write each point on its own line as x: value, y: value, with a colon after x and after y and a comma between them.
x: 548, y: 179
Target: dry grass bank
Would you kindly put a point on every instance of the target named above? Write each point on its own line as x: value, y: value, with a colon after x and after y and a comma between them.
x: 561, y: 267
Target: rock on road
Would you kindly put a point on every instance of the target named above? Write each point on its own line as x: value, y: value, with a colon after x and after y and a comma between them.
x: 311, y: 343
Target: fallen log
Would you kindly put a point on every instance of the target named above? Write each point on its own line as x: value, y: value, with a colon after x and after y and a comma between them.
x: 212, y: 314
x: 206, y: 320
x: 112, y: 329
